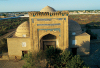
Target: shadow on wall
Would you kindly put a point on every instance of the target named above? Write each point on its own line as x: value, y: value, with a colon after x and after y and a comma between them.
x: 93, y: 49
x: 83, y: 49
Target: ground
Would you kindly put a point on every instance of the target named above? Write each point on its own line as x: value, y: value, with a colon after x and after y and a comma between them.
x: 92, y: 60
x: 11, y: 64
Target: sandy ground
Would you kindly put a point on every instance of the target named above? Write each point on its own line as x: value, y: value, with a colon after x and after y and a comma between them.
x: 93, y: 59
x: 11, y: 64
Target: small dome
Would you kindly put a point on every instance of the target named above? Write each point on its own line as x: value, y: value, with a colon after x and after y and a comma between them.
x: 48, y: 9
x: 22, y: 29
x: 74, y: 27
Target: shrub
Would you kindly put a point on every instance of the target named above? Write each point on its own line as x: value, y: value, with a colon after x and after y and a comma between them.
x: 76, y: 62
x: 3, y: 45
x: 87, y: 26
x: 96, y: 26
x: 55, y: 58
x: 92, y: 35
x: 3, y: 32
x: 33, y: 60
x: 82, y: 29
x: 60, y: 59
x: 52, y: 55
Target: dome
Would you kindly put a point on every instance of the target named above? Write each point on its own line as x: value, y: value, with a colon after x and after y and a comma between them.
x: 74, y: 27
x: 22, y: 29
x: 48, y: 9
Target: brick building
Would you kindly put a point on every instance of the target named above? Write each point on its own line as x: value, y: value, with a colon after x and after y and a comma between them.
x: 48, y: 28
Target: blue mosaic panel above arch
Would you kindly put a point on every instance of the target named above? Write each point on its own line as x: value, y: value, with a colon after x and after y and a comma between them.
x: 55, y: 29
x: 48, y: 24
x: 60, y: 18
x: 48, y: 19
x: 43, y: 19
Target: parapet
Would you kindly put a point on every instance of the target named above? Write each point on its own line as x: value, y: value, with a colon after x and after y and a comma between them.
x: 57, y: 13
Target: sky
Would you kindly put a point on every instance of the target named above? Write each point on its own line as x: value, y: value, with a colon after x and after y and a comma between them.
x: 37, y: 5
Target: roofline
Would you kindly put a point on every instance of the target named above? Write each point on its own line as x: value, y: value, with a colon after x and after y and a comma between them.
x: 59, y: 13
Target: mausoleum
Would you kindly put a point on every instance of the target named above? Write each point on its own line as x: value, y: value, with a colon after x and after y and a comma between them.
x: 48, y: 28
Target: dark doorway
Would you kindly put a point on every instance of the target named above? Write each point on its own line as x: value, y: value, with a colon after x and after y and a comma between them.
x: 74, y: 51
x: 47, y: 41
x: 24, y: 52
x: 47, y: 44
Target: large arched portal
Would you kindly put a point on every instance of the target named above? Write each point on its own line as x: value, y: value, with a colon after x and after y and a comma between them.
x: 47, y: 41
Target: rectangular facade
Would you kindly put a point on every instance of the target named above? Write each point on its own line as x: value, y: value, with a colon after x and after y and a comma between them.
x: 56, y: 25
x: 16, y: 46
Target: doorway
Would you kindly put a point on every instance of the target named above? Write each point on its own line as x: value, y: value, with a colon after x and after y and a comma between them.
x: 47, y: 44
x: 24, y: 52
x: 74, y: 51
x: 47, y: 41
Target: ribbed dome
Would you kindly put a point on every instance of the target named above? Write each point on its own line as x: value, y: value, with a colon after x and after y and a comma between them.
x: 22, y: 29
x: 48, y: 9
x: 74, y: 27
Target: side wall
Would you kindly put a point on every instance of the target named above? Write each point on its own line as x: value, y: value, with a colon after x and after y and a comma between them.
x: 15, y: 47
x: 83, y: 42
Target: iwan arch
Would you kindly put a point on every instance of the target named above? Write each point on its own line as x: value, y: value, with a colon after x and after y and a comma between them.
x: 48, y: 28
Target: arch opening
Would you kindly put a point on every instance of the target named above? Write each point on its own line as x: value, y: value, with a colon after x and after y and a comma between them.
x: 47, y: 41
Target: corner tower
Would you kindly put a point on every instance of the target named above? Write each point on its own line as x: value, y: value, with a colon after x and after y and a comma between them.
x: 49, y: 28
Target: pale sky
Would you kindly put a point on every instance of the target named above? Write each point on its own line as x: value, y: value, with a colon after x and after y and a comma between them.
x: 37, y: 5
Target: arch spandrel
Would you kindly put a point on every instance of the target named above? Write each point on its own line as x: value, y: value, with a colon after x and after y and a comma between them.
x: 55, y: 34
